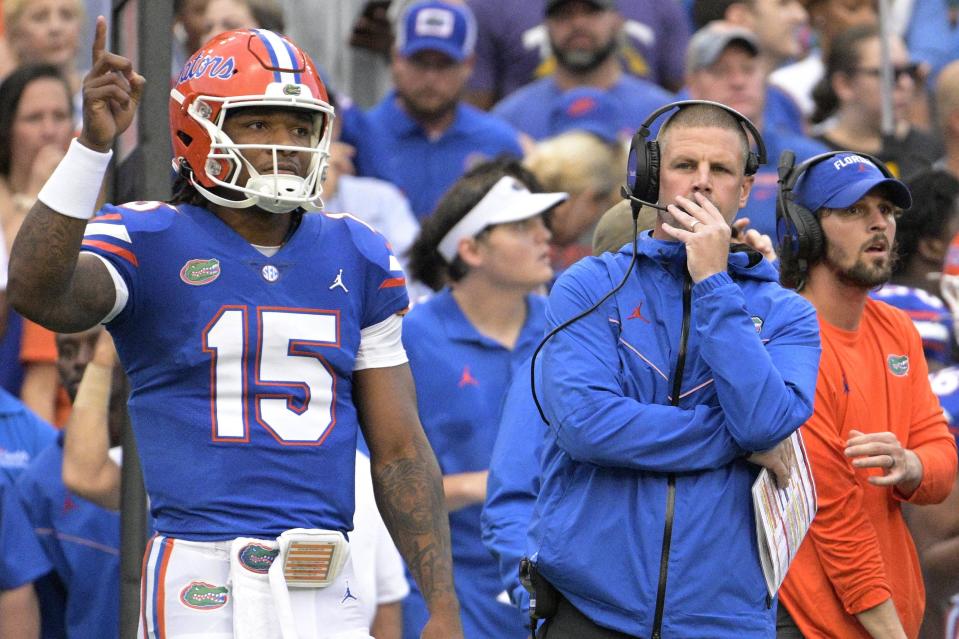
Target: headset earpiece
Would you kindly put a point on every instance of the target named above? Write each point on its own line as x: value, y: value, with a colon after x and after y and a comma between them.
x: 648, y: 186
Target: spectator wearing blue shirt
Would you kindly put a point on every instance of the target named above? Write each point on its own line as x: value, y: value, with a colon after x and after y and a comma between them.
x: 22, y: 562
x: 79, y: 537
x: 931, y: 33
x: 429, y: 136
x: 23, y: 436
x: 723, y: 65
x: 489, y: 243
x: 511, y: 53
x: 583, y: 36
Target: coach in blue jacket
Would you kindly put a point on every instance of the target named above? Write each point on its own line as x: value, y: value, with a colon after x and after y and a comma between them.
x: 658, y: 403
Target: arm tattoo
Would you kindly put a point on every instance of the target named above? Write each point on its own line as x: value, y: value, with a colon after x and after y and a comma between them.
x: 47, y: 285
x: 409, y: 493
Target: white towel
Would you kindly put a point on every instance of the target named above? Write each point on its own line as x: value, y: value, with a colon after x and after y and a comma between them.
x: 255, y: 614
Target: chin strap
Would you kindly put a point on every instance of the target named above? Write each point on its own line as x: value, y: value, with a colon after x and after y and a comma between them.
x: 268, y: 185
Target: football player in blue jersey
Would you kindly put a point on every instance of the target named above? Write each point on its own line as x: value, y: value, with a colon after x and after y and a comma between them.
x: 936, y: 528
x: 257, y: 337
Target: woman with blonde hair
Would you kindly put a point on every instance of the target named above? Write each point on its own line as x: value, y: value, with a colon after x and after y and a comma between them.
x: 46, y: 32
x: 590, y: 170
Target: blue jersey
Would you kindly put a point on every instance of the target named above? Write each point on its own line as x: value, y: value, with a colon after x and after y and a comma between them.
x: 945, y: 384
x: 461, y: 381
x: 241, y: 365
x: 23, y: 436
x: 929, y: 315
x: 82, y: 542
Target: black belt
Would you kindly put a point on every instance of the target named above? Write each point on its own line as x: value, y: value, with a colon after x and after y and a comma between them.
x: 570, y: 623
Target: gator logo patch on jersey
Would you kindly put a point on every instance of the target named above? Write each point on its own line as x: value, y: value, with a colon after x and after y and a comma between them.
x: 898, y: 364
x: 257, y: 558
x: 200, y: 272
x: 757, y: 323
x: 200, y: 595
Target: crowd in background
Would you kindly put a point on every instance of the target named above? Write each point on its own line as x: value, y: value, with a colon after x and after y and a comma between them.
x: 555, y: 90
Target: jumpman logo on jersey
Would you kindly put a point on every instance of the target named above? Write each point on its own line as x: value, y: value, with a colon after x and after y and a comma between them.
x: 638, y: 313
x: 348, y: 594
x: 467, y: 379
x: 339, y: 282
x: 845, y: 385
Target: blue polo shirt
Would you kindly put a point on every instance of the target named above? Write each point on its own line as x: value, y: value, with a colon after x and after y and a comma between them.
x: 81, y: 540
x: 21, y: 558
x: 423, y: 167
x: 461, y: 381
x: 23, y: 436
x: 529, y: 108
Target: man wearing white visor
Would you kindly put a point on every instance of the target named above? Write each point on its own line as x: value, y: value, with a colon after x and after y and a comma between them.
x: 486, y: 250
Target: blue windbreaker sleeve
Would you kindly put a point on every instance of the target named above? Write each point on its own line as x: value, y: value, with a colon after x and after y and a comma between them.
x: 766, y: 390
x: 585, y: 398
x: 513, y: 483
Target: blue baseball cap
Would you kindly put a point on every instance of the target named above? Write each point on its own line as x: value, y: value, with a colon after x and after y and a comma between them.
x: 840, y: 181
x: 437, y: 26
x: 586, y: 109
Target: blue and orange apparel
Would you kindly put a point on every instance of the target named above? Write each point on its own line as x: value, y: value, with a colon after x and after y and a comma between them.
x: 461, y: 381
x: 928, y: 314
x: 241, y: 365
x: 945, y: 384
x: 424, y: 167
x: 82, y: 542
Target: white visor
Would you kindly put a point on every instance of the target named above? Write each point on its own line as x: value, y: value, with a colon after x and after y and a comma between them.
x: 507, y: 201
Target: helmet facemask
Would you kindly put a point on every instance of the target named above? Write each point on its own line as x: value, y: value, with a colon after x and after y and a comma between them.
x: 274, y: 192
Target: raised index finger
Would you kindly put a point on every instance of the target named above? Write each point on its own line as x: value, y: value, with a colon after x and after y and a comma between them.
x: 100, y: 38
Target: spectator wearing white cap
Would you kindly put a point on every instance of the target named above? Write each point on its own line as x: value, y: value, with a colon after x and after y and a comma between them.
x: 429, y: 136
x: 489, y: 244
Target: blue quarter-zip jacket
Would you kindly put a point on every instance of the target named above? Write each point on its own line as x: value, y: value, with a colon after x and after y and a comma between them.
x: 614, y: 440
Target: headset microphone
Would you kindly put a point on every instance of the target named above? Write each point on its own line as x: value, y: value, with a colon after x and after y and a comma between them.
x: 627, y: 195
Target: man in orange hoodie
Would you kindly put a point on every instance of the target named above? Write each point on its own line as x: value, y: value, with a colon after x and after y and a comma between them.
x: 877, y: 437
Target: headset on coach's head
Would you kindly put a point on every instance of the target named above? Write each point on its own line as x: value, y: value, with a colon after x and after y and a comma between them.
x: 642, y: 167
x: 642, y: 189
x: 798, y: 231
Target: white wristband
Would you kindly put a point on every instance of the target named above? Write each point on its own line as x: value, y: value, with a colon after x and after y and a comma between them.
x: 74, y: 186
